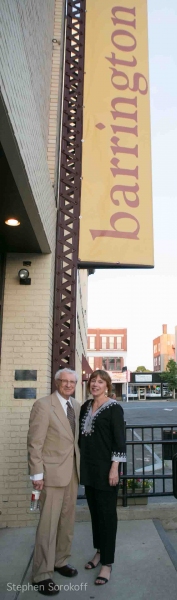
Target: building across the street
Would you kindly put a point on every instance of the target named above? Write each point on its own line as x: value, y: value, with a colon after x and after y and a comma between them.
x: 147, y: 386
x: 163, y: 349
x: 107, y: 349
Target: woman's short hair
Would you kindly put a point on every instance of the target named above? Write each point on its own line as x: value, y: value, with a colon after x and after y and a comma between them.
x: 103, y: 375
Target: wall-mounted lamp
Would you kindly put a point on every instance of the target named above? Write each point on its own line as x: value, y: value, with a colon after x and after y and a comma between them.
x: 12, y: 222
x: 24, y: 278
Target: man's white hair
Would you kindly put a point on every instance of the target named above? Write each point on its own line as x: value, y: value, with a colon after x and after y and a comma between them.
x: 65, y: 370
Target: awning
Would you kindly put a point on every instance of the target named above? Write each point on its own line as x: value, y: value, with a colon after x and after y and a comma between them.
x: 86, y: 369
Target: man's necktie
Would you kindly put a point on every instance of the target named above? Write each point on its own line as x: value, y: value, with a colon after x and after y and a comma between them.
x: 71, y: 416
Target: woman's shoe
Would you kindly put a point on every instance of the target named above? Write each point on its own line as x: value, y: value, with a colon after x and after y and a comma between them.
x: 102, y: 580
x: 90, y: 564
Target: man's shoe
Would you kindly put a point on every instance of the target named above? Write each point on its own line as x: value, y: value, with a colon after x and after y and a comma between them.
x: 47, y: 587
x: 67, y: 571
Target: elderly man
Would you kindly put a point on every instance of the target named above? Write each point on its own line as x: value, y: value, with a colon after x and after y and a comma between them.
x: 54, y: 469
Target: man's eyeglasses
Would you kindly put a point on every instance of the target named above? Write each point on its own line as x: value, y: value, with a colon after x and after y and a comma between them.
x: 67, y: 382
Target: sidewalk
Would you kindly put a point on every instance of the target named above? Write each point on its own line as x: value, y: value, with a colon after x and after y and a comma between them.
x: 145, y: 564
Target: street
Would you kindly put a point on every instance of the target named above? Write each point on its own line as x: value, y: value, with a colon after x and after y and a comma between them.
x: 150, y: 413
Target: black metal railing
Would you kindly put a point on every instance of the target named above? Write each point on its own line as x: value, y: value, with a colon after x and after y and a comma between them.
x: 154, y: 444
x: 148, y: 471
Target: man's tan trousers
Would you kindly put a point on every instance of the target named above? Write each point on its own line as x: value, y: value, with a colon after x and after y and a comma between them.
x: 55, y: 529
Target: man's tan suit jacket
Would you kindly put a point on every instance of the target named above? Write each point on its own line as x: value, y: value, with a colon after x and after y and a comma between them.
x: 51, y: 444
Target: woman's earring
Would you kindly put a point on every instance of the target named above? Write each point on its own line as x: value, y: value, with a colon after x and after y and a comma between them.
x: 106, y: 392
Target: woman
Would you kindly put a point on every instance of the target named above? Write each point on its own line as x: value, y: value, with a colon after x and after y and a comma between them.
x: 102, y: 445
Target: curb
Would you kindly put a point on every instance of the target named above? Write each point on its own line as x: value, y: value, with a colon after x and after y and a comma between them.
x: 166, y: 513
x: 168, y: 546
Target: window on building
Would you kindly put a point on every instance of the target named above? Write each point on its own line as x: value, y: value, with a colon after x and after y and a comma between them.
x: 91, y: 362
x: 119, y: 342
x: 92, y: 342
x: 103, y: 342
x: 111, y: 342
x: 111, y: 364
x: 155, y: 348
x: 158, y: 347
x: 118, y: 364
x: 155, y: 362
x: 104, y: 362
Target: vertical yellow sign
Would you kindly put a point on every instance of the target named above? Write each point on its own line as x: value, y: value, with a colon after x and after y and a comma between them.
x: 116, y: 200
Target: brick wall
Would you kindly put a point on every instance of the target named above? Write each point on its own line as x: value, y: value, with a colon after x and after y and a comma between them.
x: 26, y: 67
x: 55, y: 92
x: 31, y: 82
x: 26, y: 344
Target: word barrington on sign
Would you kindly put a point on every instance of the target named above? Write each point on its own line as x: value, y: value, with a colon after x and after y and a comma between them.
x: 116, y: 200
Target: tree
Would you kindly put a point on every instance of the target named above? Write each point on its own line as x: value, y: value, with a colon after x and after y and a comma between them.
x: 142, y: 369
x: 170, y: 375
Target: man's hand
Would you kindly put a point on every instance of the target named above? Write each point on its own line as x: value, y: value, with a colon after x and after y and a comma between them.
x: 38, y: 484
x: 114, y: 474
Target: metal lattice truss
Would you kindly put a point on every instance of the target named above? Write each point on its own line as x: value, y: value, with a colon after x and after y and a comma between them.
x: 64, y: 334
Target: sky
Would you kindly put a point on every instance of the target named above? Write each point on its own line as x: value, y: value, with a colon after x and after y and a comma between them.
x: 142, y: 300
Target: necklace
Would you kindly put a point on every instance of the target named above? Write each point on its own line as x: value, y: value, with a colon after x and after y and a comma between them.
x: 95, y: 401
x: 96, y: 406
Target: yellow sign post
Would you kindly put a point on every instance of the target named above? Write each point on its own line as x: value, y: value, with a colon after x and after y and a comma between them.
x: 116, y: 199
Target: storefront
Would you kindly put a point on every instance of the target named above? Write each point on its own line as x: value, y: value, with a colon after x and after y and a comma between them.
x: 148, y: 386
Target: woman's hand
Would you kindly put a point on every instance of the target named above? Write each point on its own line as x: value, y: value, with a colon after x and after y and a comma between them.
x: 114, y: 474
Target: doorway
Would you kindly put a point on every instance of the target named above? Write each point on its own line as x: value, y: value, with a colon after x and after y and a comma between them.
x: 142, y: 393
